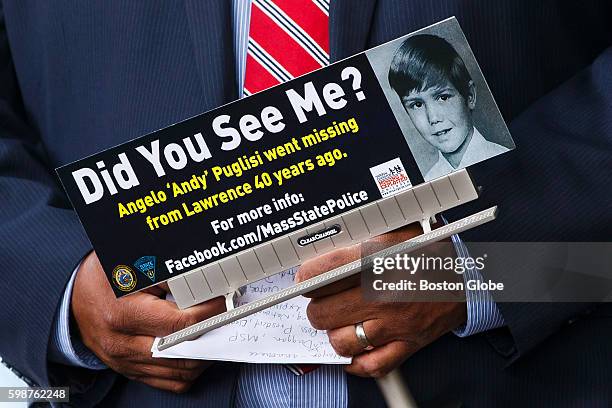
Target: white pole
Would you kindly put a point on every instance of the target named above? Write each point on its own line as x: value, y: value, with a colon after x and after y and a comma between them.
x: 396, y: 394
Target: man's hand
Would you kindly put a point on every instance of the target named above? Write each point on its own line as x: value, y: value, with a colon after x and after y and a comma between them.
x: 121, y: 331
x: 395, y: 329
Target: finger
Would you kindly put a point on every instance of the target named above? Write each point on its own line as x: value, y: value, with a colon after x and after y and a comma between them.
x: 183, y: 363
x: 117, y: 350
x: 168, y: 373
x: 342, y: 256
x: 160, y: 290
x: 316, y: 266
x: 178, y: 363
x: 155, y: 291
x: 163, y: 286
x: 344, y: 339
x: 342, y: 309
x: 380, y: 361
x: 151, y: 316
x: 398, y: 235
x: 336, y: 287
x: 202, y: 311
x: 175, y: 386
x: 134, y: 350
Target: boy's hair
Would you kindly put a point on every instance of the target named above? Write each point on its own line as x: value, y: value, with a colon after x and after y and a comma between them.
x: 425, y: 61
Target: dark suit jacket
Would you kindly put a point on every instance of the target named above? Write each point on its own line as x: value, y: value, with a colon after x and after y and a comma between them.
x: 77, y: 77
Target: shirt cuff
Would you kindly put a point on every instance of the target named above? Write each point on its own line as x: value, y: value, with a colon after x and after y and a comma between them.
x: 482, y: 311
x: 63, y: 348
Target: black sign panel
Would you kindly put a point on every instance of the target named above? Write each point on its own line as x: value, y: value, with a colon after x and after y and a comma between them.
x: 244, y: 173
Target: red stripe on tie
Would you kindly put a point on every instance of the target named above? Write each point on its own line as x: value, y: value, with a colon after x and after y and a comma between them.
x: 258, y: 77
x: 280, y: 45
x: 310, y: 18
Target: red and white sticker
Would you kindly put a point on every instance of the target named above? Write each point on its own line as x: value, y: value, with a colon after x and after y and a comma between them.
x: 391, y: 177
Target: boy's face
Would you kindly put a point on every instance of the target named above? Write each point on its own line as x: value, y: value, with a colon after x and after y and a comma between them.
x: 441, y: 115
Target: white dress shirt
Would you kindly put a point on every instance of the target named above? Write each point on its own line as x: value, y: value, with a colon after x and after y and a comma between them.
x: 478, y: 150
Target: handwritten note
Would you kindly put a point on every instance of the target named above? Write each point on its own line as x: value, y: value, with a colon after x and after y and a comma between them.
x: 280, y: 334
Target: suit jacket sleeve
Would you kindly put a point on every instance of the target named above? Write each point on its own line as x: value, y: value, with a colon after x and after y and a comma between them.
x: 554, y: 187
x: 41, y: 239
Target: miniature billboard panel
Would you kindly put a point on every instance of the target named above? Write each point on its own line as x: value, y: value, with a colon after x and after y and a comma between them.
x: 364, y: 128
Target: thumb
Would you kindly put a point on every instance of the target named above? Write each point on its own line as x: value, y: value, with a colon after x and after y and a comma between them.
x: 151, y: 316
x: 181, y: 319
x: 326, y: 262
x: 202, y: 311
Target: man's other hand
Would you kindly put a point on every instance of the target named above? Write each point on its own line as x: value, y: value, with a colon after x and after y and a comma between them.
x: 395, y: 329
x: 121, y: 331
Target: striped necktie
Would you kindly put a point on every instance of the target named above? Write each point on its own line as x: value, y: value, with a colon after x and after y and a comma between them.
x: 287, y: 38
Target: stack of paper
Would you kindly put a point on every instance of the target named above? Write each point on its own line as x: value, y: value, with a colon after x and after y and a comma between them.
x: 280, y: 334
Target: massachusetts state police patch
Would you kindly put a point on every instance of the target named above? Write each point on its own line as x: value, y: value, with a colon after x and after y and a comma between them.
x: 146, y: 265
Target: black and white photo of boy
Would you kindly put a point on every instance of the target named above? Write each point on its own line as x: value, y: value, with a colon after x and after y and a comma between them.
x: 439, y: 95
